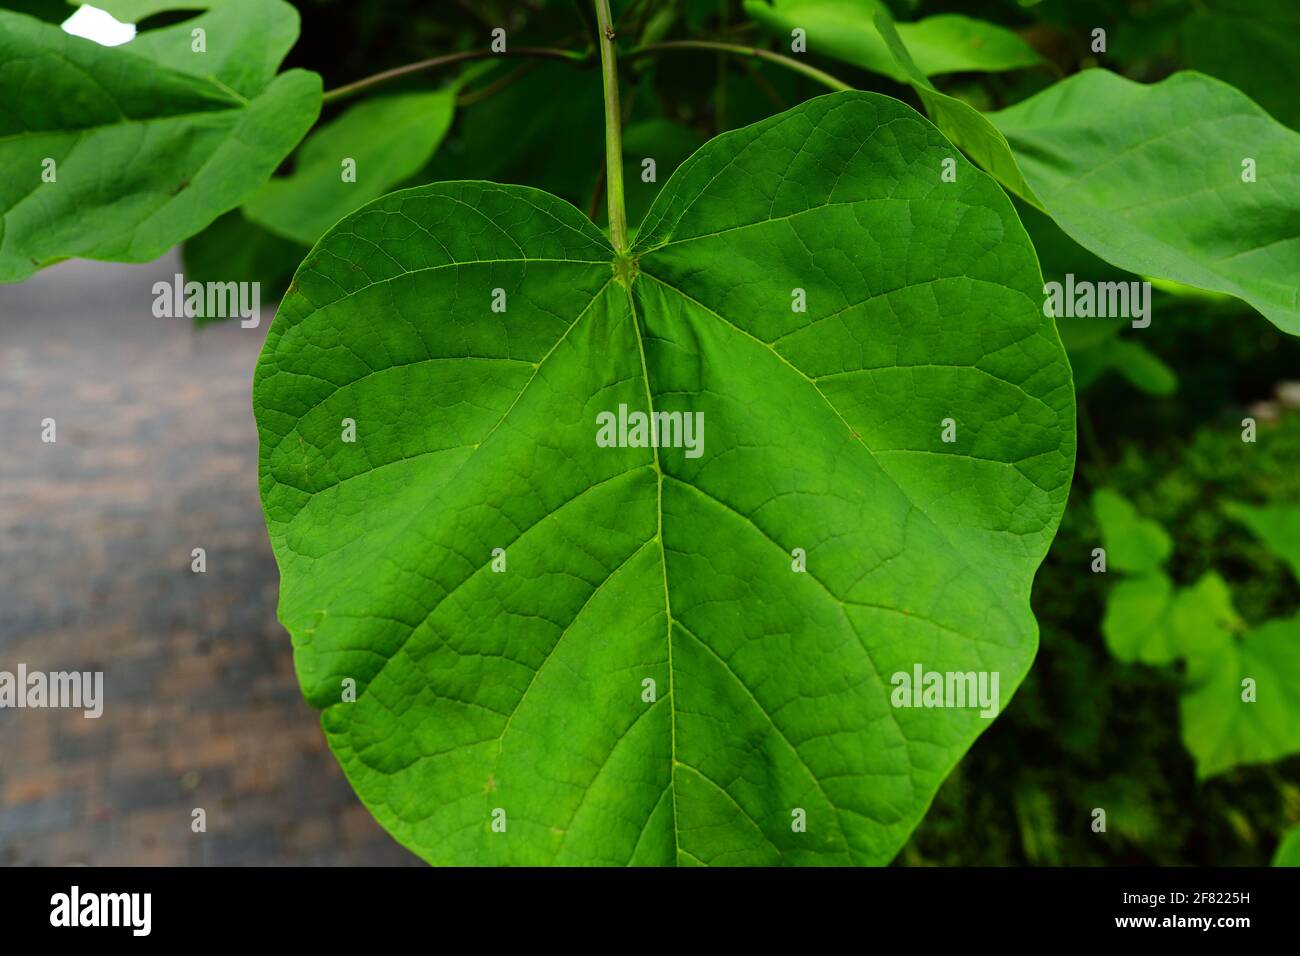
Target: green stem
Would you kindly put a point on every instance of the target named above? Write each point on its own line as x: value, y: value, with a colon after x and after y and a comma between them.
x: 339, y: 93
x: 788, y: 62
x: 613, y: 129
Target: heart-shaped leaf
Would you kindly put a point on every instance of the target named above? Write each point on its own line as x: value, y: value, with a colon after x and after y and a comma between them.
x: 111, y: 155
x: 537, y: 640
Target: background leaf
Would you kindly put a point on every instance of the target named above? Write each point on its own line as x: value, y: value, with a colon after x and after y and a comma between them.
x: 233, y: 249
x: 388, y: 137
x: 1223, y: 731
x: 844, y: 29
x: 1277, y: 526
x: 1255, y: 47
x: 245, y: 40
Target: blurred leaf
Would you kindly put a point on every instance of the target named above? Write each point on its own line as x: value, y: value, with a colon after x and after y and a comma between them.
x: 388, y: 138
x: 1132, y: 543
x: 145, y: 155
x: 966, y: 126
x: 133, y: 11
x: 1202, y: 617
x: 1254, y: 46
x: 844, y: 30
x: 669, y: 144
x: 1136, y: 621
x: 51, y: 11
x: 1277, y: 526
x: 535, y: 132
x: 1219, y: 728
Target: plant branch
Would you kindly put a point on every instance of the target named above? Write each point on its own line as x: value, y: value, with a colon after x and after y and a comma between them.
x: 340, y: 92
x: 788, y: 62
x: 613, y: 130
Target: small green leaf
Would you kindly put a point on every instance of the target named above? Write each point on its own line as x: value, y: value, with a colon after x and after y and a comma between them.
x: 385, y: 140
x: 1132, y: 543
x: 140, y: 156
x: 503, y: 589
x: 1277, y: 526
x: 844, y: 29
x: 1221, y: 728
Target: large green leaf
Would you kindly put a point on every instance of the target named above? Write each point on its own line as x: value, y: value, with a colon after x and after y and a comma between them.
x: 476, y: 430
x: 1222, y: 728
x: 1150, y: 179
x: 144, y: 155
x: 844, y: 29
x: 387, y: 139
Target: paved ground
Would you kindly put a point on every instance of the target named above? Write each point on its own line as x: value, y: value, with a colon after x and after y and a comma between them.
x: 155, y: 455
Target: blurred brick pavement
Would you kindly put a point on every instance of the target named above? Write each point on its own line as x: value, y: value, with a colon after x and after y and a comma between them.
x: 156, y: 455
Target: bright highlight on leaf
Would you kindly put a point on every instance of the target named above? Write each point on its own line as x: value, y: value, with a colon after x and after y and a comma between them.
x: 612, y: 645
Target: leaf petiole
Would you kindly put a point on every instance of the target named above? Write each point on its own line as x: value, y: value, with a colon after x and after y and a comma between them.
x: 613, y: 129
